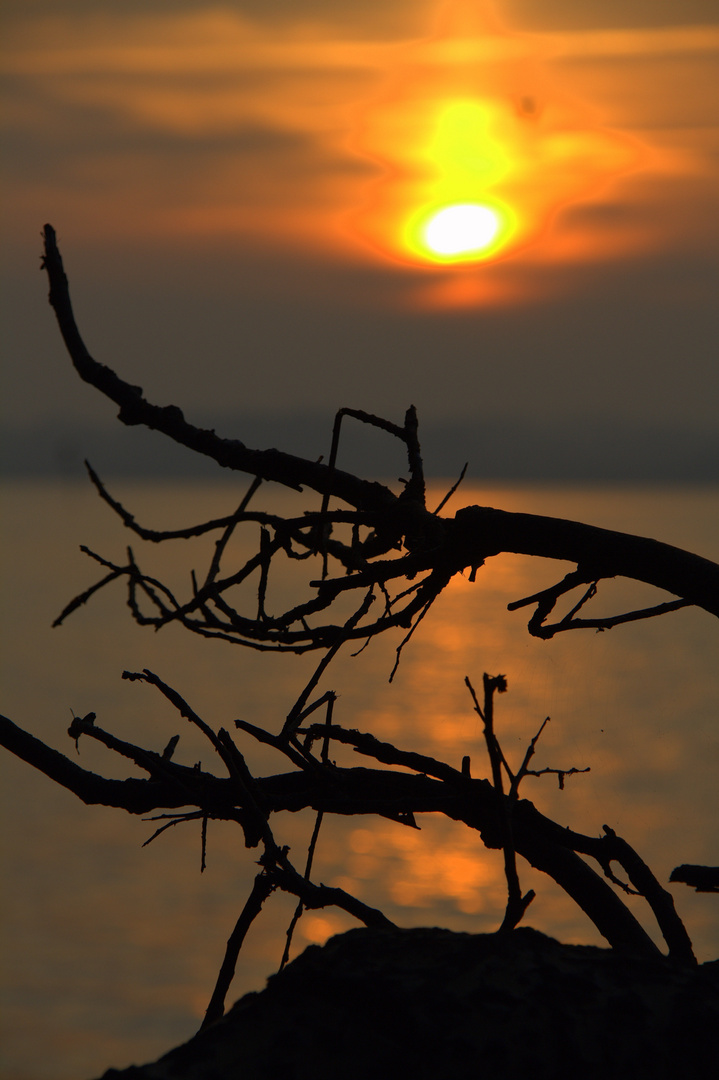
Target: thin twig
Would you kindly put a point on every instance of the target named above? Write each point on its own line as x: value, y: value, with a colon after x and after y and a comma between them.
x: 261, y: 889
x: 300, y: 906
x: 452, y: 490
x: 516, y: 903
x: 177, y: 819
x: 294, y: 717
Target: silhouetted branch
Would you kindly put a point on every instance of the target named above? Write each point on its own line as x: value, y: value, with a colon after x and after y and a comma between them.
x: 378, y: 543
x: 279, y: 873
x: 546, y: 599
x: 516, y: 903
x: 332, y: 789
x: 179, y: 819
x: 297, y: 712
x: 452, y: 490
x: 702, y: 878
x: 660, y: 901
x: 84, y: 596
x: 286, y: 469
x: 158, y: 535
x: 180, y: 704
x: 261, y: 889
x: 297, y: 914
x: 598, y: 553
x: 524, y: 769
x: 439, y: 547
x: 385, y: 752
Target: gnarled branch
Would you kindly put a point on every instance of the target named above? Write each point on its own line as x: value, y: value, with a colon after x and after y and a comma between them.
x: 347, y: 791
x: 437, y: 546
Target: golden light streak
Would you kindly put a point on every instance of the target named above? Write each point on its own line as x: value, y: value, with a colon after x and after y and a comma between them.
x: 420, y: 868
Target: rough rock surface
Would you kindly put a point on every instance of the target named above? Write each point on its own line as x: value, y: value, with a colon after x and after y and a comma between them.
x: 376, y: 1004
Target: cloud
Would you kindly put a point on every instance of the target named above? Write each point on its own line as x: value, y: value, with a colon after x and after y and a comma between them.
x: 659, y: 41
x: 549, y: 15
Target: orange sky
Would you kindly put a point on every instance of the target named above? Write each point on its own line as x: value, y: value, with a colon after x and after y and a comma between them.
x: 295, y: 155
x: 207, y: 122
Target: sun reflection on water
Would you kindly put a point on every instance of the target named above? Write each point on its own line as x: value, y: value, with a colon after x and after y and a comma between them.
x: 638, y: 705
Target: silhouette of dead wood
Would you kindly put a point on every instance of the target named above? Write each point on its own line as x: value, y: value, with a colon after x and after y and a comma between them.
x: 424, y: 548
x: 702, y: 878
x: 375, y: 560
x: 430, y: 786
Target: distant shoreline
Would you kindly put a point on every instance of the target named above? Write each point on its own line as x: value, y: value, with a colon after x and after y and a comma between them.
x: 497, y: 452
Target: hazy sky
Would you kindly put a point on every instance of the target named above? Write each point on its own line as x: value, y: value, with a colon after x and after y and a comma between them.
x: 233, y: 186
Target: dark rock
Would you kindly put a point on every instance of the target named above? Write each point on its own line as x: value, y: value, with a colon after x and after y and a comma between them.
x: 381, y: 1004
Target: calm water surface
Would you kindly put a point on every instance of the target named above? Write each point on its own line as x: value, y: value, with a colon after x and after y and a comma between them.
x: 110, y: 949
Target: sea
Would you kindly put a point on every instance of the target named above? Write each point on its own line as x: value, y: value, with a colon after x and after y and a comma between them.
x: 110, y: 949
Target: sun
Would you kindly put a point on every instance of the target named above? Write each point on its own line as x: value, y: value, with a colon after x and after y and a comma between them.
x: 459, y: 231
x: 463, y: 159
x: 459, y: 170
x: 478, y: 150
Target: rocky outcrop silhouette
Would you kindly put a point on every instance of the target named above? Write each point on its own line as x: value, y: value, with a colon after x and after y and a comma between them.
x: 431, y: 1003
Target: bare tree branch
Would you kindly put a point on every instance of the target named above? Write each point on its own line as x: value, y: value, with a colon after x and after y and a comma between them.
x: 517, y: 904
x: 377, y: 544
x: 399, y: 796
x: 440, y: 546
x: 702, y: 878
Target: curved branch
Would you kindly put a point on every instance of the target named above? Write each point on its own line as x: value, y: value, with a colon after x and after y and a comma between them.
x: 544, y: 844
x: 133, y: 795
x: 286, y: 469
x: 598, y: 553
x: 465, y: 541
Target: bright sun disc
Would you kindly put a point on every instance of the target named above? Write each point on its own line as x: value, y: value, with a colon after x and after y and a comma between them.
x: 461, y: 229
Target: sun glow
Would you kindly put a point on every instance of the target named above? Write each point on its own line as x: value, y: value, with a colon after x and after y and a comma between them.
x: 479, y: 149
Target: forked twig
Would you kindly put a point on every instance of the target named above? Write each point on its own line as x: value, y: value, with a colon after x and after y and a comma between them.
x: 517, y: 904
